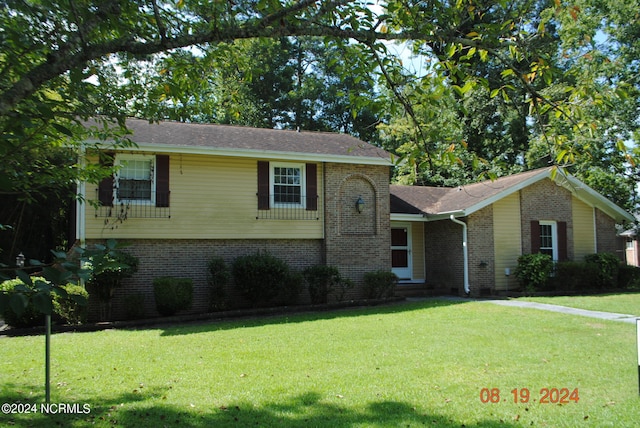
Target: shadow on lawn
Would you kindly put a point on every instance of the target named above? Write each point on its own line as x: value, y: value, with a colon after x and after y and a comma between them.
x: 306, y: 410
x: 309, y: 315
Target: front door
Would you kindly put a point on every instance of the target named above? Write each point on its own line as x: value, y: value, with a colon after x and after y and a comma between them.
x: 401, y: 251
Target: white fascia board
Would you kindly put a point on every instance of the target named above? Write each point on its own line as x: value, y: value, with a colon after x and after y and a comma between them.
x: 408, y: 217
x: 508, y: 191
x: 446, y: 215
x: 426, y: 217
x: 589, y: 196
x: 261, y: 154
x: 569, y: 182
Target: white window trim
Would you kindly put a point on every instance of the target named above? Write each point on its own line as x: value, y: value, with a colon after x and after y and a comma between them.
x: 272, y: 185
x: 123, y: 156
x: 554, y: 237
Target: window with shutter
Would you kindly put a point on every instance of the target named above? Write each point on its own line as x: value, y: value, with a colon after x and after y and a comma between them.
x: 549, y: 237
x: 287, y: 190
x: 138, y: 189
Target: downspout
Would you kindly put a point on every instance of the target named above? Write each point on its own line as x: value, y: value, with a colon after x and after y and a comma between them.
x: 465, y: 252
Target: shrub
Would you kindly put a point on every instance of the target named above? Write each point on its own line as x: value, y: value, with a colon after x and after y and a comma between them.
x: 291, y: 288
x: 65, y: 308
x: 344, y: 286
x: 534, y: 270
x: 109, y: 269
x: 30, y: 317
x: 572, y: 276
x: 134, y: 306
x: 218, y: 276
x: 629, y: 277
x: 108, y: 266
x: 259, y: 277
x: 321, y: 280
x: 69, y: 310
x: 608, y: 265
x: 172, y: 294
x: 380, y: 284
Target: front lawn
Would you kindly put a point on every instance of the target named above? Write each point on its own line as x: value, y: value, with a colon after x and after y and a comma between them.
x: 626, y: 303
x: 430, y: 363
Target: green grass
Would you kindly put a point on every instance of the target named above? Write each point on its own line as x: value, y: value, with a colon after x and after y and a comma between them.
x: 627, y: 303
x: 415, y: 364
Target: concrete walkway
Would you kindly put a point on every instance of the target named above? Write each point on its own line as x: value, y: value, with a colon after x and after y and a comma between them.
x: 631, y: 319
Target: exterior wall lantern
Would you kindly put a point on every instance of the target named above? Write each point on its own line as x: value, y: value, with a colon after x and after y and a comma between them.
x: 20, y: 260
x: 360, y: 205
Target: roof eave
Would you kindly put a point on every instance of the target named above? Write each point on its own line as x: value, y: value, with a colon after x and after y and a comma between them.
x: 408, y: 217
x: 508, y: 191
x: 262, y: 154
x: 446, y: 215
x: 575, y: 186
x: 595, y: 199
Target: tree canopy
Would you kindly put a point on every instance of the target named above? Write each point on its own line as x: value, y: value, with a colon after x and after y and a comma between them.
x: 504, y: 85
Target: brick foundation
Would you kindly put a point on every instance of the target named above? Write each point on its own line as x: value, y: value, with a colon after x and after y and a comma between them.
x: 189, y: 258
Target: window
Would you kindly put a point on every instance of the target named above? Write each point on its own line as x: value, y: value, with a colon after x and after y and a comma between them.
x: 549, y: 239
x: 287, y: 185
x: 139, y: 188
x: 629, y: 244
x: 287, y: 191
x: 135, y: 178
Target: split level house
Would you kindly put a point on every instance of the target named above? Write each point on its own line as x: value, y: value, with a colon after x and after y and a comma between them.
x: 188, y: 192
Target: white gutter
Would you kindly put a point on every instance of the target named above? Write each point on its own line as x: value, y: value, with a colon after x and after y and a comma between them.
x: 465, y: 252
x: 253, y: 153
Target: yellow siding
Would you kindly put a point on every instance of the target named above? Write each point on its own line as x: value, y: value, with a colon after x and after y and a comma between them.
x: 507, y: 239
x: 584, y: 241
x: 417, y: 249
x: 211, y: 198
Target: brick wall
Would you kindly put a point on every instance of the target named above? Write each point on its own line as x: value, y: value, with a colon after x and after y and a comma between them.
x: 357, y: 243
x: 189, y: 258
x: 443, y: 254
x: 481, y: 251
x: 545, y: 200
x: 607, y: 240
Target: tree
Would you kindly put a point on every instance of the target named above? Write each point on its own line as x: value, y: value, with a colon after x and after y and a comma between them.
x: 64, y: 60
x: 569, y: 100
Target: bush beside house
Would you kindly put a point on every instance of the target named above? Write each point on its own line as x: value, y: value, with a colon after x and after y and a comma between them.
x: 380, y: 284
x: 172, y: 294
x: 65, y: 309
x: 598, y: 272
x: 218, y: 276
x: 321, y: 280
x: 259, y: 277
x: 109, y: 266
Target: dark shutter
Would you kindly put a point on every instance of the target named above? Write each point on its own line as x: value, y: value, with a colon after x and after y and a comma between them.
x: 263, y: 185
x: 535, y: 236
x: 562, y: 241
x: 312, y: 186
x: 105, y: 188
x: 162, y: 181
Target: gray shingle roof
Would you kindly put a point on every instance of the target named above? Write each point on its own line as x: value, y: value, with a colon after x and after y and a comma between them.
x: 463, y: 200
x: 436, y: 200
x: 178, y: 136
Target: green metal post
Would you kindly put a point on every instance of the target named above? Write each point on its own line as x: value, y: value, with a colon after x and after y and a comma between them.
x: 47, y: 366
